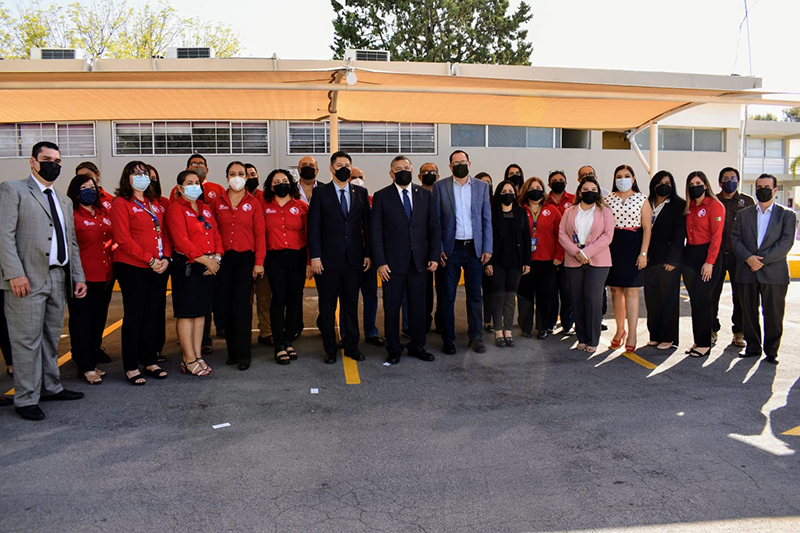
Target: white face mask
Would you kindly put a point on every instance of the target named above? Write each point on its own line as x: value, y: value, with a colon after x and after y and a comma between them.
x: 624, y: 184
x: 358, y: 182
x: 237, y: 183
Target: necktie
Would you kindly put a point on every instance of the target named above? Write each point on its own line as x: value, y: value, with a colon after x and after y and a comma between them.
x: 343, y: 200
x: 62, y: 249
x: 407, y: 203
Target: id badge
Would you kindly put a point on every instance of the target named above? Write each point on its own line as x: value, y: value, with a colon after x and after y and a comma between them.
x: 575, y: 239
x: 534, y: 241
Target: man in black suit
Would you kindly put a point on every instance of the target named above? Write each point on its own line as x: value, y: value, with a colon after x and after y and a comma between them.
x: 405, y: 244
x: 338, y: 224
x: 762, y: 236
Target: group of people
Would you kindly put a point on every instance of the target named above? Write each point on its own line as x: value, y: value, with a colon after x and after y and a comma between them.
x: 526, y: 245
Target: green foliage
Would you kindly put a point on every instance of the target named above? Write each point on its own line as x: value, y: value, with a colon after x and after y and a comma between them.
x: 97, y: 25
x: 221, y: 38
x: 456, y: 31
x: 768, y: 116
x: 151, y: 30
x: 792, y: 114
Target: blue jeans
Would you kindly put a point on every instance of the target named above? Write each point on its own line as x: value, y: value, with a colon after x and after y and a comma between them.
x: 463, y: 257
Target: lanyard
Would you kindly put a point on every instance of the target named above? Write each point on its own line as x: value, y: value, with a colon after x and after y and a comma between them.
x: 152, y: 213
x: 535, y: 217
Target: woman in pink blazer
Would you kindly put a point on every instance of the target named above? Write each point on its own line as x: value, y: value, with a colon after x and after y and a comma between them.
x: 586, y: 231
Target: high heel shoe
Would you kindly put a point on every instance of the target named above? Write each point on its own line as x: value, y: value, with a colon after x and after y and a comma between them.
x: 197, y: 370
x: 617, y: 342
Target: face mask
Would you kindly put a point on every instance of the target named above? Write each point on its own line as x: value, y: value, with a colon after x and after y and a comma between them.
x: 402, y: 177
x: 201, y: 172
x: 663, y: 189
x: 534, y: 195
x: 49, y: 170
x: 251, y: 184
x: 87, y: 196
x: 342, y: 174
x: 589, y: 197
x: 624, y: 184
x: 141, y: 182
x: 429, y: 178
x: 281, y: 190
x: 237, y: 183
x: 156, y: 187
x: 508, y: 198
x: 696, y: 191
x: 764, y: 194
x: 730, y: 186
x: 461, y: 171
x: 308, y: 173
x: 516, y: 179
x: 558, y: 186
x: 358, y: 182
x: 192, y: 192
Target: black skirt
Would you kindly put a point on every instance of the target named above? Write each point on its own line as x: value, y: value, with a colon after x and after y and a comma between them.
x: 192, y: 292
x: 625, y: 249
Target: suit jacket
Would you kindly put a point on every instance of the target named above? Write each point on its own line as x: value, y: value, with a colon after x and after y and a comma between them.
x: 398, y: 241
x: 778, y: 240
x: 600, y: 237
x: 26, y: 227
x: 481, y: 215
x: 521, y: 242
x: 338, y: 241
x: 669, y: 235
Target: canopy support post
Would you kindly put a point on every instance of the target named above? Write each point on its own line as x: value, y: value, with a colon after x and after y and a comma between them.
x: 653, y: 149
x: 334, y: 132
x: 638, y: 151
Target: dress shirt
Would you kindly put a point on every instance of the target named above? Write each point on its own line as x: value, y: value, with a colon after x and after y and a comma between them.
x: 303, y: 193
x: 704, y: 225
x: 190, y: 236
x: 566, y: 201
x: 286, y: 226
x: 763, y: 221
x: 135, y: 232
x: 105, y: 198
x: 54, y: 238
x: 545, y: 231
x: 400, y: 192
x: 241, y: 228
x: 657, y: 210
x: 95, y: 243
x: 338, y: 188
x: 583, y: 223
x: 462, y: 195
x: 211, y: 191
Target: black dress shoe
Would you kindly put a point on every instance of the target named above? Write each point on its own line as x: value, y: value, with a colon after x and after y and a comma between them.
x: 207, y: 350
x: 526, y: 334
x: 477, y: 346
x: 449, y: 348
x: 542, y: 334
x: 230, y: 362
x: 30, y: 412
x: 500, y: 342
x: 244, y: 366
x: 5, y: 401
x: 266, y: 340
x: 356, y: 356
x: 330, y: 358
x: 393, y: 359
x: 424, y: 356
x: 510, y: 342
x: 568, y: 331
x: 745, y: 354
x: 101, y: 356
x: 376, y: 341
x: 62, y: 396
x: 772, y: 360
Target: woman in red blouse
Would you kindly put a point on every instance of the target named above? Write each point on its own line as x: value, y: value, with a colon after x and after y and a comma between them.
x: 287, y: 259
x: 87, y: 316
x: 539, y: 287
x: 140, y: 265
x: 197, y: 257
x: 241, y: 227
x: 705, y: 220
x: 161, y: 330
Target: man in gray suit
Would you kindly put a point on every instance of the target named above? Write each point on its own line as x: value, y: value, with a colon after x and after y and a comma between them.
x: 40, y: 261
x: 762, y: 236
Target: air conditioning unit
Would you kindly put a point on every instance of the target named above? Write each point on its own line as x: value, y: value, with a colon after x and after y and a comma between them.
x: 53, y: 53
x: 366, y: 55
x: 197, y: 52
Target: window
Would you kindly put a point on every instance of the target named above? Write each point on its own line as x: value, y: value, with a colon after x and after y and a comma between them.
x: 185, y: 137
x: 74, y: 140
x: 467, y: 135
x: 684, y: 140
x: 363, y: 138
x: 760, y: 147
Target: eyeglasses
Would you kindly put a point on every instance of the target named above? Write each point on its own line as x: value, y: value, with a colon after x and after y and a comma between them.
x: 205, y: 222
x: 728, y: 180
x: 586, y: 175
x: 196, y: 164
x: 461, y: 164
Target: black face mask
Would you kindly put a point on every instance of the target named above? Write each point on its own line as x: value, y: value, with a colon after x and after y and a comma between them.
x: 558, y: 186
x: 155, y: 186
x: 663, y: 189
x: 343, y: 174
x: 461, y: 171
x: 251, y: 184
x: 281, y: 190
x: 429, y: 178
x: 49, y: 170
x: 308, y: 173
x: 696, y: 191
x: 402, y: 177
x: 589, y: 197
x: 764, y: 194
x: 534, y: 195
x: 508, y: 198
x: 516, y: 179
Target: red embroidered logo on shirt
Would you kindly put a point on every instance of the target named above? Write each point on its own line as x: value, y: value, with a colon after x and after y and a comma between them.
x: 206, y: 213
x: 701, y: 213
x: 294, y: 210
x: 546, y: 213
x: 247, y: 207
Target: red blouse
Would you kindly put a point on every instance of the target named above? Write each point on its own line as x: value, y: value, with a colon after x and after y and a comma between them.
x: 135, y: 232
x: 95, y: 243
x: 106, y: 199
x: 546, y: 233
x: 241, y: 229
x: 566, y: 201
x: 704, y: 225
x: 211, y: 191
x: 286, y: 226
x: 189, y: 235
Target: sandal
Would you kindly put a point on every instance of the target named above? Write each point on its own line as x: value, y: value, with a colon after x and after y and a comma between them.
x: 652, y: 343
x: 205, y: 365
x: 282, y: 358
x: 664, y: 346
x: 291, y: 352
x: 617, y: 342
x: 581, y: 347
x: 136, y: 379
x: 93, y: 377
x: 197, y: 370
x: 590, y: 349
x: 694, y: 353
x: 160, y: 358
x: 630, y: 348
x: 99, y: 372
x: 158, y: 373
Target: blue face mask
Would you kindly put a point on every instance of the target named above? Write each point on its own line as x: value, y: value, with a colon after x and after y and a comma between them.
x: 87, y: 196
x: 624, y: 184
x: 140, y: 182
x: 192, y: 192
x: 730, y: 186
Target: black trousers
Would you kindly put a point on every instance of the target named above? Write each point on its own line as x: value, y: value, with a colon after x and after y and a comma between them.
x: 538, y: 291
x: 5, y: 342
x: 772, y: 299
x: 694, y: 255
x: 587, y: 284
x: 503, y: 285
x: 432, y: 288
x: 565, y: 309
x: 412, y: 285
x: 235, y: 284
x: 161, y: 327
x: 728, y: 260
x: 286, y: 270
x: 662, y: 296
x: 140, y: 299
x: 338, y: 286
x: 486, y: 287
x: 87, y: 320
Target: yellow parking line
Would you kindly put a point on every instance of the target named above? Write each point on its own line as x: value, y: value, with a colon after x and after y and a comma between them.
x: 638, y: 360
x: 351, y: 375
x: 794, y: 432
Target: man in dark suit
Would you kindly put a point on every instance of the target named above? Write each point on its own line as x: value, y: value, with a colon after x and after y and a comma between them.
x: 405, y: 245
x: 41, y: 268
x: 338, y: 224
x: 465, y: 222
x: 762, y: 236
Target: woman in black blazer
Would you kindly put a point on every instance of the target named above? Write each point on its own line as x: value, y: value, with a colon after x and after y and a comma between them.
x: 511, y: 259
x: 662, y: 277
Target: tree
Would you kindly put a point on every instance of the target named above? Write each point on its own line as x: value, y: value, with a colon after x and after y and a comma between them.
x: 34, y: 26
x: 150, y: 32
x: 456, y: 31
x: 221, y: 38
x: 96, y: 27
x: 792, y: 114
x: 768, y: 116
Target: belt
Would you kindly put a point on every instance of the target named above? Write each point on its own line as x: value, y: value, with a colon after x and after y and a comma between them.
x: 468, y: 242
